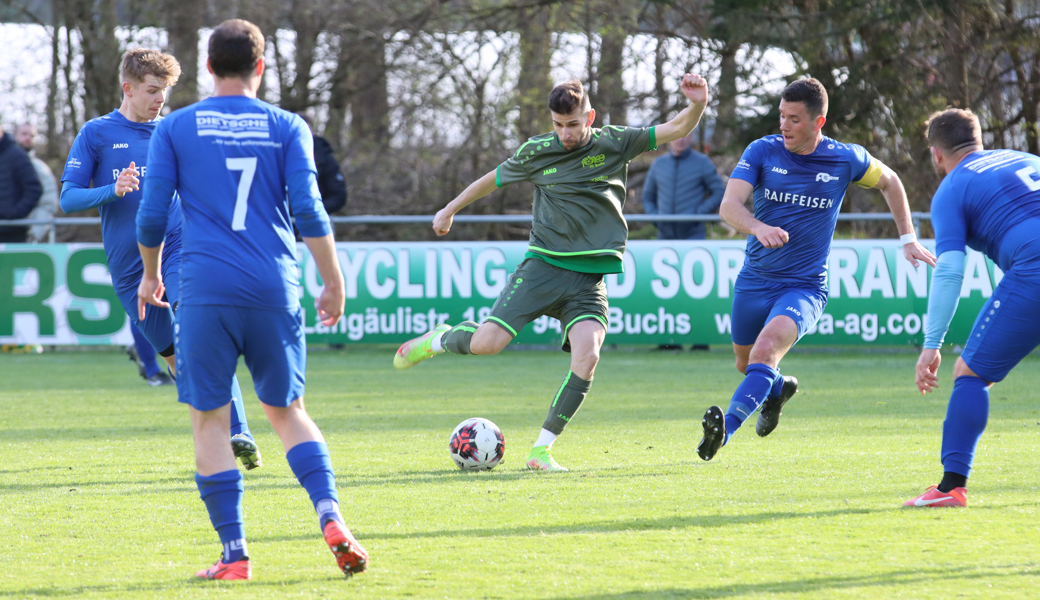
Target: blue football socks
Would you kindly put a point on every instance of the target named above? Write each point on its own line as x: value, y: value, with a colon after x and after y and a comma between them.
x: 966, y: 418
x: 145, y: 352
x: 750, y: 394
x: 239, y: 423
x: 312, y: 466
x: 778, y: 386
x: 222, y: 493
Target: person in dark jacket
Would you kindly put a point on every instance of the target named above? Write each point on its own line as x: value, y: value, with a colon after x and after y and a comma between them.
x: 682, y: 182
x: 20, y: 189
x: 331, y: 185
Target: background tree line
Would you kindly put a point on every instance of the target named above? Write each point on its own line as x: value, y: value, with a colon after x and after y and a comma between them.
x: 420, y: 97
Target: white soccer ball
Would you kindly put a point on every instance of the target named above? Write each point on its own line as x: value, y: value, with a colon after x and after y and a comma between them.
x: 477, y: 445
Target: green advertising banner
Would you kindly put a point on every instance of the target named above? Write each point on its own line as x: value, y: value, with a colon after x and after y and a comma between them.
x: 670, y: 292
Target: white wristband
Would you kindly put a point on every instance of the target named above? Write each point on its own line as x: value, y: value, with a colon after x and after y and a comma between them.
x: 908, y: 238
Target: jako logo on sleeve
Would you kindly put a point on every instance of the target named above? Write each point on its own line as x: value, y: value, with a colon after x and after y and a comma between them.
x: 118, y: 146
x: 826, y: 177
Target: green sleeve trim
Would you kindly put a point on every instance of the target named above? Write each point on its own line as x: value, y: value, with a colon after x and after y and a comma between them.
x: 520, y: 149
x: 653, y: 139
x: 498, y: 176
x: 567, y: 329
x: 464, y: 328
x: 503, y: 324
x: 604, y: 252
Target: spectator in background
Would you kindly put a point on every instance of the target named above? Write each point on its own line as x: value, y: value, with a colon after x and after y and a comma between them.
x: 20, y: 189
x: 331, y: 185
x: 25, y: 136
x: 682, y: 182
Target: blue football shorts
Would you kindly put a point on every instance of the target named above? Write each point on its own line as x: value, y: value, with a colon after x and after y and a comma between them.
x: 157, y: 326
x: 211, y: 338
x: 1007, y: 328
x: 757, y: 301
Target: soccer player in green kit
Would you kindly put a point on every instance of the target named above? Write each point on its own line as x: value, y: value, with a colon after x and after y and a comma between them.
x: 578, y: 236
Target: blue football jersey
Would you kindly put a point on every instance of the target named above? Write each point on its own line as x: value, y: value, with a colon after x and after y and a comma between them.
x: 103, y: 148
x: 229, y: 158
x: 990, y: 202
x: 802, y: 195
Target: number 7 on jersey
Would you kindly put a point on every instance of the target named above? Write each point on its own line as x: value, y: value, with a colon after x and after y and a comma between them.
x: 248, y: 168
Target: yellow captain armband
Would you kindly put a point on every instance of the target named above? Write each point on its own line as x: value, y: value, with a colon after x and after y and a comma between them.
x: 872, y: 176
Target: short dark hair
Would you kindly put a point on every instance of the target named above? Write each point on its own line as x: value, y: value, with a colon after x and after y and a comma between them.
x: 569, y: 96
x: 953, y: 129
x: 810, y: 92
x: 235, y: 48
x: 142, y: 62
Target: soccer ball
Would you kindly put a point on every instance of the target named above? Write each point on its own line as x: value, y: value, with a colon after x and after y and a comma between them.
x: 477, y: 445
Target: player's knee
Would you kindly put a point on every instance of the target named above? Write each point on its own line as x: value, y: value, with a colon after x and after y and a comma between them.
x: 488, y: 341
x: 961, y: 369
x: 742, y: 364
x: 584, y: 363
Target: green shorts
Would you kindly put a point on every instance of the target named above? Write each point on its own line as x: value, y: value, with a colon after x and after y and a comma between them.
x: 537, y: 288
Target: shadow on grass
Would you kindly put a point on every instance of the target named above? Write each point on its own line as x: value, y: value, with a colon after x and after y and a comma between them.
x: 821, y: 584
x: 155, y: 587
x: 614, y: 526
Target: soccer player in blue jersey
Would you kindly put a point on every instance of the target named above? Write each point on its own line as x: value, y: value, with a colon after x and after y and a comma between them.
x: 231, y: 159
x: 989, y: 200
x: 799, y: 179
x: 111, y: 152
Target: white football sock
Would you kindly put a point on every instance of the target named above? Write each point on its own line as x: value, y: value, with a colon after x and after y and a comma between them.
x: 546, y: 438
x: 435, y: 343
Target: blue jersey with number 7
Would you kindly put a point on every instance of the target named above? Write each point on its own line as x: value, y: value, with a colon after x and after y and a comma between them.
x: 990, y: 202
x: 231, y: 159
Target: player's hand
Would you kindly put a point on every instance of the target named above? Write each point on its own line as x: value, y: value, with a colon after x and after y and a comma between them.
x: 695, y: 88
x: 927, y: 370
x: 330, y: 305
x: 915, y: 252
x: 770, y: 237
x: 128, y: 181
x: 150, y: 291
x: 442, y: 221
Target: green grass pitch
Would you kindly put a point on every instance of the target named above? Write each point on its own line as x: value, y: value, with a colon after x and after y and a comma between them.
x: 98, y: 498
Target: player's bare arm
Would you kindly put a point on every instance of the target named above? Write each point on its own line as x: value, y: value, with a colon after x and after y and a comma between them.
x: 734, y: 212
x: 478, y: 189
x: 891, y: 188
x: 128, y: 180
x: 151, y: 288
x: 927, y: 370
x: 330, y: 302
x: 695, y: 88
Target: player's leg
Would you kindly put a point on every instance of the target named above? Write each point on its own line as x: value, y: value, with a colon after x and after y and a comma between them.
x: 586, y: 339
x: 583, y: 309
x: 242, y: 442
x: 203, y: 385
x: 143, y: 354
x: 276, y: 355
x: 518, y: 304
x: 793, y: 313
x: 1005, y: 331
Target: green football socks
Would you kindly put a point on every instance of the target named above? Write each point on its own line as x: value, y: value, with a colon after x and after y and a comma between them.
x: 457, y: 339
x: 567, y: 402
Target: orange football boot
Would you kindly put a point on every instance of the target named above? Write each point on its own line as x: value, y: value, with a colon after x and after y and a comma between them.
x: 350, y: 556
x: 240, y: 569
x: 957, y: 497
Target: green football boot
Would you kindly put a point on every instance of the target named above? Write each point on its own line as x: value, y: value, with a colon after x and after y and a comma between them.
x: 540, y: 460
x: 246, y: 451
x: 416, y: 350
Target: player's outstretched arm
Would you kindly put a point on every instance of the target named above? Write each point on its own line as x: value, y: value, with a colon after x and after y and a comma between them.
x: 478, y: 189
x: 695, y: 88
x: 895, y: 196
x: 733, y: 211
x: 333, y: 296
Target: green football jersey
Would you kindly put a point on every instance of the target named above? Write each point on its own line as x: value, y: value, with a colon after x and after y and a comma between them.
x: 579, y: 195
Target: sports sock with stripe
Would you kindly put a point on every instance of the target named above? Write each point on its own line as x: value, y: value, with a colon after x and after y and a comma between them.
x: 312, y: 466
x: 778, y: 386
x: 456, y: 340
x: 966, y: 418
x: 567, y: 402
x: 222, y: 493
x: 749, y: 395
